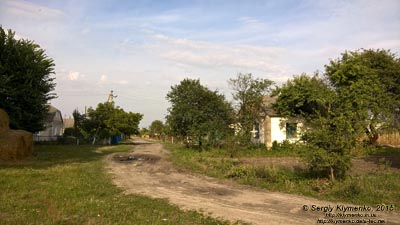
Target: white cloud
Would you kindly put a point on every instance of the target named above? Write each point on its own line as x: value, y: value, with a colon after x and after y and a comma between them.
x: 207, y: 54
x: 103, y: 78
x: 28, y: 10
x: 73, y: 75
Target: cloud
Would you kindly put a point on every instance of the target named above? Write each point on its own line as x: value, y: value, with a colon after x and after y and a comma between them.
x: 207, y: 54
x: 28, y: 10
x: 74, y: 75
x: 103, y: 78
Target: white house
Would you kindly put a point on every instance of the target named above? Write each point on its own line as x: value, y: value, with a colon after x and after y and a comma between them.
x: 273, y: 127
x: 54, y: 126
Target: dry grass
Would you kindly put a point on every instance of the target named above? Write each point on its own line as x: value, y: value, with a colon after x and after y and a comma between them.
x: 391, y: 139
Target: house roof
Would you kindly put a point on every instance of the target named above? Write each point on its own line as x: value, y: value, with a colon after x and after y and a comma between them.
x: 52, y: 111
x: 269, y: 101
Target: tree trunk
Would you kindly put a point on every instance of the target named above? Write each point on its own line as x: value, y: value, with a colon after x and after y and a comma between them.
x: 200, y: 143
x: 332, y: 175
x: 372, y: 135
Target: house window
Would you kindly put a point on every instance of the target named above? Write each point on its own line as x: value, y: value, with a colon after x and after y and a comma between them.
x: 291, y: 130
x: 256, y: 131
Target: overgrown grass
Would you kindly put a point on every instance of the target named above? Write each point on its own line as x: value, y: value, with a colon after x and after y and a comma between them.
x: 68, y: 185
x: 372, y: 188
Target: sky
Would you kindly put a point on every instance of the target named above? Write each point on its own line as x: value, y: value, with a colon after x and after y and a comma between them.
x: 139, y: 49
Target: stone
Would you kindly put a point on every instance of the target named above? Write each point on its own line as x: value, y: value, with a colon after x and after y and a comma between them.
x: 14, y: 144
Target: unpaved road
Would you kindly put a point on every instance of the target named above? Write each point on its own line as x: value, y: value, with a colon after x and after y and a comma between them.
x: 151, y: 173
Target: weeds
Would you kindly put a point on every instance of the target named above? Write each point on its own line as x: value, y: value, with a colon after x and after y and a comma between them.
x: 373, y: 188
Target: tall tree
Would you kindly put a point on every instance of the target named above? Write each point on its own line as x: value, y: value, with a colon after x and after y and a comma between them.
x: 358, y: 94
x: 197, y: 112
x: 328, y: 133
x: 156, y: 128
x: 26, y: 83
x: 107, y: 120
x: 249, y: 93
x: 369, y: 81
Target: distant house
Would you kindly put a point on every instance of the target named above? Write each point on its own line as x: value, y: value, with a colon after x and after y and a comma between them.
x: 274, y: 127
x: 68, y: 122
x: 54, y: 126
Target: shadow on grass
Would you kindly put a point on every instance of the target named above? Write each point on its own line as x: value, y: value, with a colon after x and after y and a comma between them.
x: 45, y: 156
x: 383, y: 154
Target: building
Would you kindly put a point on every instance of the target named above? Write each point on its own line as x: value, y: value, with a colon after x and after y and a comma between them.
x: 275, y: 128
x: 54, y: 126
x: 68, y: 122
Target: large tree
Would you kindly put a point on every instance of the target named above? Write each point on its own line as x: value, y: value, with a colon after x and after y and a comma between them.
x: 357, y: 94
x: 328, y: 132
x: 26, y: 81
x: 156, y: 128
x: 249, y: 93
x: 198, y: 113
x: 369, y: 82
x: 108, y: 120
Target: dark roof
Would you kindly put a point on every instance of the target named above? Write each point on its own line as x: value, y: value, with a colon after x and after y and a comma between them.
x: 269, y: 101
x: 52, y: 111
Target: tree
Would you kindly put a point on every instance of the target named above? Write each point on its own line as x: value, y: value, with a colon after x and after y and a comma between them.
x: 358, y: 94
x: 26, y: 84
x: 249, y: 95
x: 369, y: 81
x: 199, y: 113
x: 329, y: 135
x: 78, y: 123
x: 107, y: 120
x: 156, y: 128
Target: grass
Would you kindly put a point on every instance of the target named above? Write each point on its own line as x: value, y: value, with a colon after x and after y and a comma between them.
x: 69, y: 185
x: 371, y: 188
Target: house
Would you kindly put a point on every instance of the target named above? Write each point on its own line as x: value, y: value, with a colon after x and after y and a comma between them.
x: 68, y: 122
x: 275, y: 128
x: 54, y: 126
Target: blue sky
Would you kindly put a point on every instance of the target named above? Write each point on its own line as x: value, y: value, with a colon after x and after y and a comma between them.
x: 140, y: 49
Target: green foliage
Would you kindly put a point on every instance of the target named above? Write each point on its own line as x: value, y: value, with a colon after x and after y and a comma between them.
x: 68, y: 132
x: 157, y: 128
x: 249, y: 95
x: 26, y: 84
x: 358, y: 94
x: 367, y: 82
x: 198, y: 113
x: 144, y: 131
x: 107, y: 120
x: 368, y: 188
x: 329, y: 135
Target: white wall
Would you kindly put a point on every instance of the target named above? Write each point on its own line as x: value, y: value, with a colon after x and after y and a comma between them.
x: 278, y: 134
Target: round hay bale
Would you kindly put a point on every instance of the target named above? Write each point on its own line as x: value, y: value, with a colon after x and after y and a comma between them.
x: 15, y: 144
x: 4, y: 121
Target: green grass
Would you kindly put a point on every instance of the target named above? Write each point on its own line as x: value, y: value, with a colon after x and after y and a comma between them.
x: 69, y: 185
x: 371, y: 188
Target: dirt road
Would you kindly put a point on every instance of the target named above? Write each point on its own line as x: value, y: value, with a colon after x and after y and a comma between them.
x: 148, y: 171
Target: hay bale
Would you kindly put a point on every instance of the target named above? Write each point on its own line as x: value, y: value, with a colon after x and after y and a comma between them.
x: 4, y: 121
x: 14, y: 144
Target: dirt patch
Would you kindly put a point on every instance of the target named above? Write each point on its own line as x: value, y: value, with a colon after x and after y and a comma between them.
x: 136, y: 158
x: 226, y: 199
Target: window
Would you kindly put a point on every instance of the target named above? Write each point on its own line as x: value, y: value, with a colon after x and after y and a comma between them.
x: 291, y: 130
x: 256, y: 131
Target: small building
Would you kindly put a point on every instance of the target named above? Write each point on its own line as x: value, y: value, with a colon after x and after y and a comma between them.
x: 54, y: 126
x: 68, y: 122
x: 275, y: 128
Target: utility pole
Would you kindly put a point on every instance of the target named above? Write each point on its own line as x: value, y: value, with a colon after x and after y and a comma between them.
x: 111, y: 97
